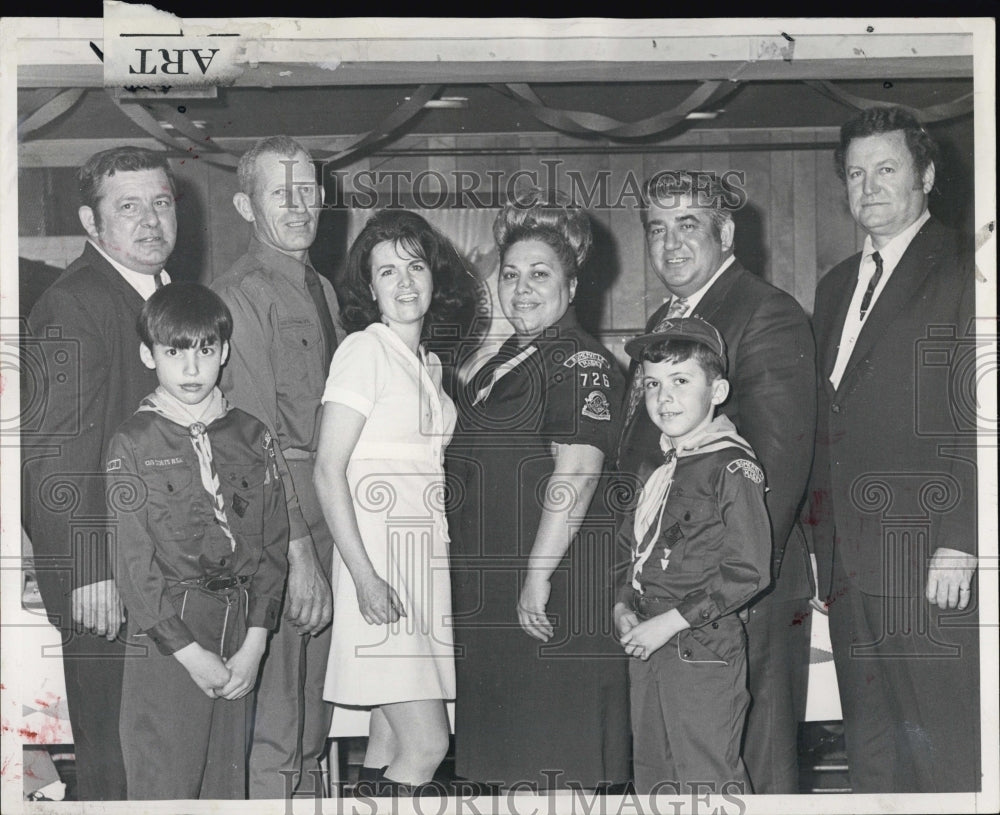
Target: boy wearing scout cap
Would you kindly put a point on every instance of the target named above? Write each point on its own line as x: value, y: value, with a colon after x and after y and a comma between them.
x: 202, y: 533
x: 700, y: 540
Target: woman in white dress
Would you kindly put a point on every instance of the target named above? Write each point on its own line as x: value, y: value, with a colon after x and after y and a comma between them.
x: 379, y: 475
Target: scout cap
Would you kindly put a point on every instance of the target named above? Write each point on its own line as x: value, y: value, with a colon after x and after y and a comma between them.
x: 693, y: 329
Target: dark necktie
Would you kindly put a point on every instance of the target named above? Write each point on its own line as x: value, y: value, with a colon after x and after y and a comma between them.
x: 323, y: 310
x: 866, y: 301
x: 158, y: 277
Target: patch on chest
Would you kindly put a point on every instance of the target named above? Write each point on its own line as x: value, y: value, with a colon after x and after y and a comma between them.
x: 586, y: 359
x: 596, y: 406
x: 114, y: 464
x: 240, y: 504
x: 749, y: 469
x: 163, y: 462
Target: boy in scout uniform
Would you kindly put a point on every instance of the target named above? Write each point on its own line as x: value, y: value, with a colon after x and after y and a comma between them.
x: 200, y: 558
x: 701, y: 547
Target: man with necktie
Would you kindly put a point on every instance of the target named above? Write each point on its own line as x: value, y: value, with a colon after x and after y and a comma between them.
x: 81, y: 343
x: 284, y: 336
x: 771, y: 357
x: 894, y: 481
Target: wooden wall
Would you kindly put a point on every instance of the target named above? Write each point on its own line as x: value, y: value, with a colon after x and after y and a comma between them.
x: 794, y: 227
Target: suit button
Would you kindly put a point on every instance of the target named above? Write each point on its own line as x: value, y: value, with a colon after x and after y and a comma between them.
x: 686, y: 653
x: 835, y: 408
x: 715, y: 625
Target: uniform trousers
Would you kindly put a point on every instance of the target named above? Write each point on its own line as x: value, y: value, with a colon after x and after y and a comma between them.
x: 291, y: 718
x: 178, y: 742
x: 689, y: 703
x: 908, y: 675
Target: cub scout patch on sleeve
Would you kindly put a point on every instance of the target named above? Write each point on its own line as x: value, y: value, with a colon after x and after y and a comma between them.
x: 114, y: 464
x: 240, y: 504
x: 596, y: 406
x: 750, y: 470
x: 586, y: 359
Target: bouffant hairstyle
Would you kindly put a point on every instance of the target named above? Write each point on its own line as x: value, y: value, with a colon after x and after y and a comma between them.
x: 184, y: 315
x: 127, y: 159
x: 677, y: 350
x: 454, y: 292
x: 553, y: 219
x: 878, y: 120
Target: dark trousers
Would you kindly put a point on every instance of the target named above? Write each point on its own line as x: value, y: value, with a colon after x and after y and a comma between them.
x: 291, y: 719
x: 908, y: 674
x: 778, y: 676
x: 93, y: 672
x: 689, y: 702
x: 178, y: 742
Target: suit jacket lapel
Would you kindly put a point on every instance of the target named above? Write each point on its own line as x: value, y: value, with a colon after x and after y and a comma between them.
x: 717, y: 292
x: 98, y: 262
x: 906, y: 279
x: 835, y: 328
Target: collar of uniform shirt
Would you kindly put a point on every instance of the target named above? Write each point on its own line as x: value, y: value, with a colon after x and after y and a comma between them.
x: 694, y: 299
x: 142, y: 283
x: 279, y: 262
x: 892, y: 251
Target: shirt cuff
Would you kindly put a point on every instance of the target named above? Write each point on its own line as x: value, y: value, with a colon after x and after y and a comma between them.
x: 263, y: 612
x: 170, y: 635
x: 699, y: 609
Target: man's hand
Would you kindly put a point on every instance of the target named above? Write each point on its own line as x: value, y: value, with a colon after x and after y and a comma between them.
x: 949, y: 578
x: 97, y: 608
x: 309, y: 600
x: 207, y: 670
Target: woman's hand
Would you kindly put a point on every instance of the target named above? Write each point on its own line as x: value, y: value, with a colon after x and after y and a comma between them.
x: 531, y: 608
x: 379, y: 602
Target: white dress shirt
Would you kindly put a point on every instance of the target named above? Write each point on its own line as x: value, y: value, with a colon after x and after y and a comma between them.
x: 853, y: 322
x: 694, y: 299
x: 145, y: 284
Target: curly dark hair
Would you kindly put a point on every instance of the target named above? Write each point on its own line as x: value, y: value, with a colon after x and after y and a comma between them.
x: 553, y: 219
x: 877, y: 120
x: 453, y: 300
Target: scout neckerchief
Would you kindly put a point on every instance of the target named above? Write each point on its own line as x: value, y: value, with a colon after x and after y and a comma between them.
x: 716, y: 435
x: 214, y: 407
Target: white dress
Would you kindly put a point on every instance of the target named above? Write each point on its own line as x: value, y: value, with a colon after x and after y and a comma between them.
x: 396, y: 476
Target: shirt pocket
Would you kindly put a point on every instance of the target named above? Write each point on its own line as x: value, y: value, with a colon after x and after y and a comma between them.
x: 299, y: 341
x: 170, y: 502
x: 243, y: 491
x: 685, y: 522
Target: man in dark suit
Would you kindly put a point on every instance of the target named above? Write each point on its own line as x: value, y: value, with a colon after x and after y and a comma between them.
x: 83, y: 351
x: 894, y: 482
x: 771, y: 358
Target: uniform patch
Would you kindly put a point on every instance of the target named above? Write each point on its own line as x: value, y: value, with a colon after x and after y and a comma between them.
x: 586, y: 359
x: 240, y: 504
x: 162, y: 462
x: 596, y: 407
x: 114, y: 464
x: 750, y: 470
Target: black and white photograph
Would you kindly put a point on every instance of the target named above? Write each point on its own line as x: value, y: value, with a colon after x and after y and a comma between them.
x: 516, y: 415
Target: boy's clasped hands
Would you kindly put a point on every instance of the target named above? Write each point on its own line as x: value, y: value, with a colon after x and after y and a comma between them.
x: 231, y: 678
x: 642, y: 639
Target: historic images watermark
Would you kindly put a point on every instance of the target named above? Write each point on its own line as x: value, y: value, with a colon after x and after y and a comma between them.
x: 466, y: 189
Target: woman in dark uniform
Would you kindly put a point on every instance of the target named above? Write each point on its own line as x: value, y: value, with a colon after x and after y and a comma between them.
x: 541, y: 682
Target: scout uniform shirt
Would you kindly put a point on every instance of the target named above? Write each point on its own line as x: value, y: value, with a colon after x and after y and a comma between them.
x: 707, y: 550
x: 169, y: 534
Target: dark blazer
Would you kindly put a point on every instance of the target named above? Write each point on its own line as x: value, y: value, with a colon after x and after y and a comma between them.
x: 771, y: 359
x: 895, y: 445
x: 82, y: 354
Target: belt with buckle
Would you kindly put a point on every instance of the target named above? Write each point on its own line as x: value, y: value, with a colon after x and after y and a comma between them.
x: 219, y: 584
x: 647, y: 607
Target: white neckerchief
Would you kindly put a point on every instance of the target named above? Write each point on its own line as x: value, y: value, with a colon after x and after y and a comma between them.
x: 214, y: 407
x: 716, y: 435
x: 502, y: 370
